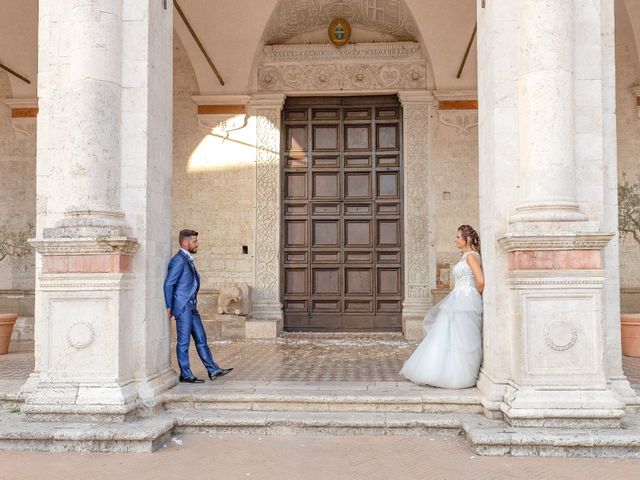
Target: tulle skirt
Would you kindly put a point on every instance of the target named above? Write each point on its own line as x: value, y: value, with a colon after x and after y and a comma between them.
x: 451, y: 353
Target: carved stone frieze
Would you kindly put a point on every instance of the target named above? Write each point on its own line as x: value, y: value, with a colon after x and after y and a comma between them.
x: 354, y: 77
x: 304, y: 53
x: 294, y: 17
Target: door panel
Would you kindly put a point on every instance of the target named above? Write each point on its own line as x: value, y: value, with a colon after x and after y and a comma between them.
x: 342, y: 214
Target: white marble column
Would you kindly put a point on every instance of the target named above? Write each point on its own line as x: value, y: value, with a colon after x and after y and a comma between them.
x: 93, y: 146
x: 542, y: 63
x: 418, y: 267
x: 104, y: 148
x: 546, y: 112
x: 266, y: 317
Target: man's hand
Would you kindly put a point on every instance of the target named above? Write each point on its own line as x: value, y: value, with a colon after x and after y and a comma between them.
x: 169, y: 314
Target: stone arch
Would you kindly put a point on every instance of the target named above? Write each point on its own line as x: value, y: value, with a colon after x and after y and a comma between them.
x: 294, y: 18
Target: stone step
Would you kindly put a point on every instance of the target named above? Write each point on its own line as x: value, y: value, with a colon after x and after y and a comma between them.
x: 321, y: 397
x: 141, y: 436
x: 493, y: 437
x: 235, y: 422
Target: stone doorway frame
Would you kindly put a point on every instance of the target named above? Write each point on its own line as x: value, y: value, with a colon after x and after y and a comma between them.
x: 366, y: 69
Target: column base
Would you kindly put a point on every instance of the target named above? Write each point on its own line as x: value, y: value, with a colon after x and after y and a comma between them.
x: 548, y: 212
x: 81, y: 402
x: 621, y: 388
x: 413, y: 312
x: 89, y: 224
x: 583, y: 409
x: 268, y: 328
x: 493, y: 393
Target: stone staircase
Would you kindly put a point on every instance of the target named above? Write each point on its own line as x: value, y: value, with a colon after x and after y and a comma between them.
x: 319, y: 408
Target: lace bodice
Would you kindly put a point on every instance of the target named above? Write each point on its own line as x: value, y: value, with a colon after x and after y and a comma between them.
x: 462, y: 274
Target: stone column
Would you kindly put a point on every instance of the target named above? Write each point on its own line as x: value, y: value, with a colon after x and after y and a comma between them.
x: 94, y: 116
x: 546, y: 112
x: 418, y: 270
x: 104, y: 147
x: 549, y: 265
x: 266, y: 317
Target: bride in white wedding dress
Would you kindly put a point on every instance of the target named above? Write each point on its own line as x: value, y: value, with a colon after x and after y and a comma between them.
x: 451, y: 353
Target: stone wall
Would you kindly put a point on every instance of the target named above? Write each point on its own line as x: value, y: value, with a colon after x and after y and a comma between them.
x: 213, y: 186
x: 628, y: 128
x: 17, y: 205
x: 454, y: 182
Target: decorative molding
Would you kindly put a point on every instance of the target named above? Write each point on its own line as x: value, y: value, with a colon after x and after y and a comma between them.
x: 549, y: 279
x: 80, y: 335
x: 23, y: 115
x: 221, y: 114
x: 295, y: 17
x: 85, y: 246
x: 305, y: 53
x: 560, y: 335
x: 416, y: 174
x: 342, y: 77
x: 86, y: 282
x: 462, y: 120
x: 561, y: 241
x: 455, y: 95
x: 267, y: 289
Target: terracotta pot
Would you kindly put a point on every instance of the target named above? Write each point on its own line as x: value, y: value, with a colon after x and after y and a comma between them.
x: 7, y: 321
x: 630, y: 333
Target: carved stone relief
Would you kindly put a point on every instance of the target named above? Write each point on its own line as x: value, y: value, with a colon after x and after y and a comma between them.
x: 383, y: 76
x: 294, y: 17
x: 268, y: 205
x: 462, y: 120
x: 416, y: 119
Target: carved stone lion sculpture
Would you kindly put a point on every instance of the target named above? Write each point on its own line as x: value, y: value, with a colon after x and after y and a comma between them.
x: 230, y: 300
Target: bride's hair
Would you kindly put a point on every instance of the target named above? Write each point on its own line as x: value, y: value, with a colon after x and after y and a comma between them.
x: 469, y: 234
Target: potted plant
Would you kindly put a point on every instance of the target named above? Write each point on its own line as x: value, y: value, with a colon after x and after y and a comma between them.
x: 629, y: 223
x: 12, y: 244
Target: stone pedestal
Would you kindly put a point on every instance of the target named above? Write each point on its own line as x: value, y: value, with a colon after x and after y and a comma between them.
x: 85, y: 341
x: 558, y: 370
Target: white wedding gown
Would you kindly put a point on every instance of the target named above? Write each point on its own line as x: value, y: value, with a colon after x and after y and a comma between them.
x: 451, y: 353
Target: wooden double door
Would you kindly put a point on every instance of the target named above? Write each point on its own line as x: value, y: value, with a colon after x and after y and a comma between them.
x: 342, y: 236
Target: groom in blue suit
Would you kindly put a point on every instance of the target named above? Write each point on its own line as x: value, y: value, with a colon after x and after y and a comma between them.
x: 180, y: 294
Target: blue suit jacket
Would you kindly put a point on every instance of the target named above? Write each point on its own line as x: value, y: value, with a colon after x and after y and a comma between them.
x: 181, y: 285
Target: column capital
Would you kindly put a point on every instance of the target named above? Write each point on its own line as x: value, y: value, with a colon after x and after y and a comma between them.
x: 267, y: 100
x: 407, y: 97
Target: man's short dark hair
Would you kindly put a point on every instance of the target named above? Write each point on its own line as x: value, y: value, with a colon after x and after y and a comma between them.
x: 186, y: 234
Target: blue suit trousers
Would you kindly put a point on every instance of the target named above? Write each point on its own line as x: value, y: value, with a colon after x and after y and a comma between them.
x: 189, y: 324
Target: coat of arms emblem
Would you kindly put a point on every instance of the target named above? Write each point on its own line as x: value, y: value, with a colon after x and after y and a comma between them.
x: 339, y: 32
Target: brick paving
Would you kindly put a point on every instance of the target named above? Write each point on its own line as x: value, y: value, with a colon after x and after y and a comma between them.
x: 296, y: 358
x: 199, y: 457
